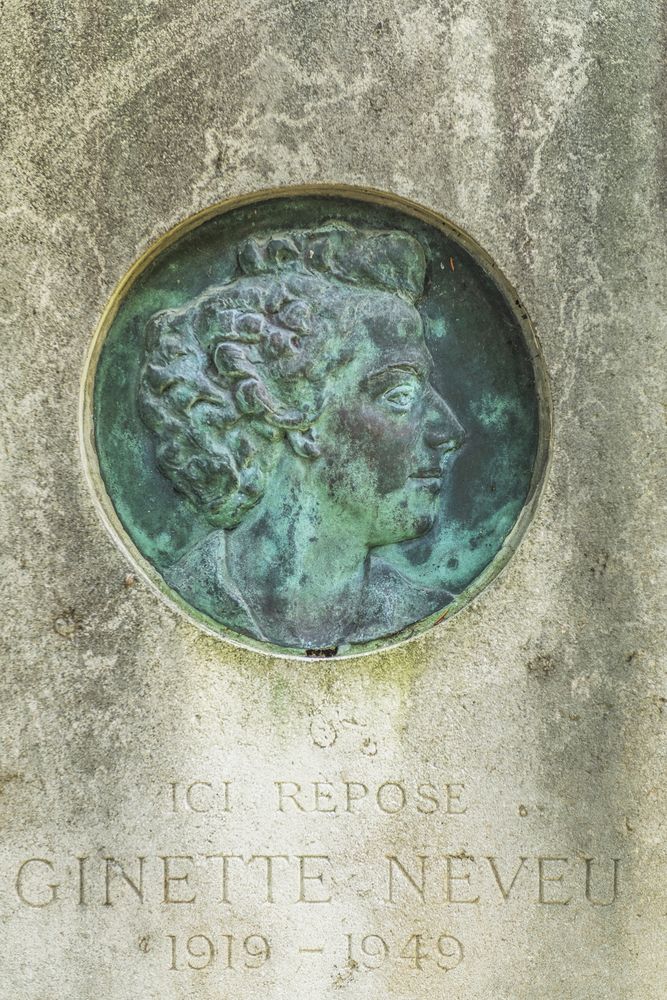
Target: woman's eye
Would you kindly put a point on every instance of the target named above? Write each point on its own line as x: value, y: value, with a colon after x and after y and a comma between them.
x: 400, y: 397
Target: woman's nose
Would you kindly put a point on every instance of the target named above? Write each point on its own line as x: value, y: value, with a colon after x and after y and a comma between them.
x: 444, y: 432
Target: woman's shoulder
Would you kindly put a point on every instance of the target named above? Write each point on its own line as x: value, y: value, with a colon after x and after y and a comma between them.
x: 394, y: 602
x: 201, y: 579
x: 391, y: 602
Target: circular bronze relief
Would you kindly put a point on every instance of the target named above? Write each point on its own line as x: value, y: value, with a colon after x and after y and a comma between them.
x: 316, y: 419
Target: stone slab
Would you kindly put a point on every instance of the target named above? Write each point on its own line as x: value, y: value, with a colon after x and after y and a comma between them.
x: 529, y: 727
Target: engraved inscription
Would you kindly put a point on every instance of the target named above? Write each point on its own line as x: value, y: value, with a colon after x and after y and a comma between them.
x: 421, y: 896
x: 307, y: 878
x: 389, y: 797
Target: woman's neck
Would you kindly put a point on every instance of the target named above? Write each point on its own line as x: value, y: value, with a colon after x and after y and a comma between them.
x: 297, y: 561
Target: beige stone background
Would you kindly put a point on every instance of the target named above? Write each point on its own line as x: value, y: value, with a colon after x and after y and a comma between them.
x: 540, y: 128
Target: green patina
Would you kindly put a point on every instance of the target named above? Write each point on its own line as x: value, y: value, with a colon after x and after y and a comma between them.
x: 317, y: 419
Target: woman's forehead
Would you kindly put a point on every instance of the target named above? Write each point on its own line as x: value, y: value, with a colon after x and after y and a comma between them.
x: 376, y: 329
x: 389, y: 322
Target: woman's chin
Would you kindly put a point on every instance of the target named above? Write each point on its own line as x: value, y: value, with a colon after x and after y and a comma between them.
x: 419, y: 525
x: 424, y: 524
x: 411, y: 518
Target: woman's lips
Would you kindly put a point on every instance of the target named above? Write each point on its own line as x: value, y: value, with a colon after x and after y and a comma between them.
x: 427, y: 474
x: 430, y: 480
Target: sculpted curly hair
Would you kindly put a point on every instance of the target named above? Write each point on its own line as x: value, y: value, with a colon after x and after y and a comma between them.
x: 246, y: 364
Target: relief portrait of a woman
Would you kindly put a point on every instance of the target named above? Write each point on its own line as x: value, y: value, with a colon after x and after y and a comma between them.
x: 293, y: 408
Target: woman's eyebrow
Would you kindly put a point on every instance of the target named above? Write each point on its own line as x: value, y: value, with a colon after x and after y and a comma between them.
x: 416, y: 369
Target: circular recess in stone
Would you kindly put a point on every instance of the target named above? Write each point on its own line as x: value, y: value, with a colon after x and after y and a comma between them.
x: 316, y: 419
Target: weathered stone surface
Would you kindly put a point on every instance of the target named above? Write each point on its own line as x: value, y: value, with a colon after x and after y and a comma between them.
x: 541, y: 132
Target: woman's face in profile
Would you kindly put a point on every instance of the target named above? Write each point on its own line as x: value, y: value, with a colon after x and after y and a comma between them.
x: 385, y: 431
x: 287, y: 427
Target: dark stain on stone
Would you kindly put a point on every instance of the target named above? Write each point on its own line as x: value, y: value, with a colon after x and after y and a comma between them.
x: 541, y: 666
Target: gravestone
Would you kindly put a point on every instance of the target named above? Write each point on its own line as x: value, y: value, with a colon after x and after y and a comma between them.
x: 332, y: 502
